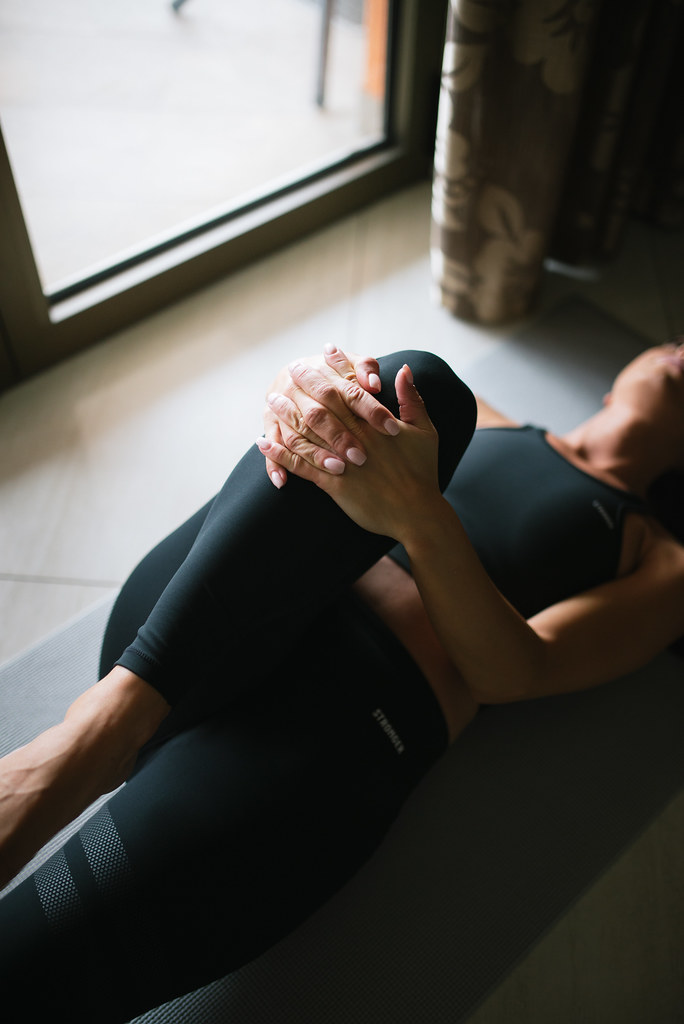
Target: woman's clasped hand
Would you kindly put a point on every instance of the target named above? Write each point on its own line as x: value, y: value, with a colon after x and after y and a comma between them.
x: 324, y: 426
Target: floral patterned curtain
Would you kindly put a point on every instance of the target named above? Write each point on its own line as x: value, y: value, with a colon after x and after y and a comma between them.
x: 557, y: 118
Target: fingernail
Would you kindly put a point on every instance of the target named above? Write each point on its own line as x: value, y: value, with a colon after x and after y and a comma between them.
x: 277, y: 479
x: 356, y: 456
x: 294, y: 366
x: 262, y: 444
x: 273, y: 398
x: 374, y: 382
x: 329, y: 348
x: 334, y: 466
x: 392, y: 427
x: 409, y: 374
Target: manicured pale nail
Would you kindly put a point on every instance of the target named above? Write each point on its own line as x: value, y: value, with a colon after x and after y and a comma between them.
x: 294, y: 366
x: 334, y: 465
x: 408, y: 374
x: 374, y: 382
x: 392, y: 427
x: 262, y: 444
x: 329, y: 348
x: 356, y: 456
x: 277, y: 479
x: 273, y: 398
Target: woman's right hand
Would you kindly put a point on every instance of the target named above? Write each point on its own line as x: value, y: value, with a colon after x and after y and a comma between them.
x: 396, y: 492
x: 315, y: 408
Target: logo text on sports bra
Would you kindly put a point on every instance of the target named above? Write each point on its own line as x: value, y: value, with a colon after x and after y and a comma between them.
x: 604, y: 515
x: 386, y: 727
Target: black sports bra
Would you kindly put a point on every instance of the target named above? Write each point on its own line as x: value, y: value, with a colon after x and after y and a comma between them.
x: 543, y: 528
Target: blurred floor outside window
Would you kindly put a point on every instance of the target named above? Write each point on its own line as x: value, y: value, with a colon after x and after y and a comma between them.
x: 129, y: 120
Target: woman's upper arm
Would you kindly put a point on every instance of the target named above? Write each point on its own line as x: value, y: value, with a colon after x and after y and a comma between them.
x: 488, y: 416
x: 616, y: 627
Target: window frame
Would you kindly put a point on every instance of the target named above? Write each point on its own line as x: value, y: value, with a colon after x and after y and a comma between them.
x: 39, y: 329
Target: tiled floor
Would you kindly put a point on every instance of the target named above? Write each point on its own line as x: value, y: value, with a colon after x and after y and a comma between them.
x: 104, y: 454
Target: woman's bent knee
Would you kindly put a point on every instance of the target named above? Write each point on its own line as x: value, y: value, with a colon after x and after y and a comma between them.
x: 450, y: 403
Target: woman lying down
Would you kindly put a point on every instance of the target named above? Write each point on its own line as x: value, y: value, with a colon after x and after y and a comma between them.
x: 279, y: 673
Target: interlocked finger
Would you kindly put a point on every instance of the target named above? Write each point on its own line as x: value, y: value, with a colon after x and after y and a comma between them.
x: 302, y: 463
x: 276, y: 473
x: 338, y: 391
x: 311, y: 430
x: 339, y: 362
x: 306, y: 451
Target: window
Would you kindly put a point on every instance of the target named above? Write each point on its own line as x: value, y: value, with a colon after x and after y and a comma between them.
x: 151, y: 147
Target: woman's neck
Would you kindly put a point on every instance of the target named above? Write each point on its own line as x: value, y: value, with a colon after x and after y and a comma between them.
x: 616, y: 446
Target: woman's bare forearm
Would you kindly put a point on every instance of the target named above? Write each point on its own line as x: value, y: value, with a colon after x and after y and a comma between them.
x: 48, y: 782
x: 484, y: 636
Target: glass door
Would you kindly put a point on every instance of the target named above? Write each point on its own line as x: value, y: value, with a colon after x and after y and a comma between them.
x: 148, y: 147
x: 129, y: 121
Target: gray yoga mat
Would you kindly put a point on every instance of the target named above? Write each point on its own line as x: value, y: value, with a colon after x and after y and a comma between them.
x: 519, y: 818
x: 556, y: 371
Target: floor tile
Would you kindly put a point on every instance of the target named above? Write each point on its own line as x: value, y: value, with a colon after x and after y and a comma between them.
x: 90, y: 475
x: 31, y: 610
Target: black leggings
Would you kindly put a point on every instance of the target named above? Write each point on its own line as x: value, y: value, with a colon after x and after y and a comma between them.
x: 274, y: 777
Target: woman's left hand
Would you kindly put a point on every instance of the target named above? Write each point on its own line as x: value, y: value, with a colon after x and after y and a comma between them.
x: 314, y: 408
x: 394, y: 488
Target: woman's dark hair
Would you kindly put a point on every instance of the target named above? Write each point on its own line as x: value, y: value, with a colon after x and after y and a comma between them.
x: 666, y: 498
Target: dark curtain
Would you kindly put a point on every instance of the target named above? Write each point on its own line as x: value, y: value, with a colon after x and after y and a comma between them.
x: 558, y: 120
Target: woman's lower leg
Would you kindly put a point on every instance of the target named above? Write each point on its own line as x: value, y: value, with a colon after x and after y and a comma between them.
x: 49, y: 781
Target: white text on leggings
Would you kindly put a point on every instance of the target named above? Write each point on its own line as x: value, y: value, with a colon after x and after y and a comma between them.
x: 394, y: 739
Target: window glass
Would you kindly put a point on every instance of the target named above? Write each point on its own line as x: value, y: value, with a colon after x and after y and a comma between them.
x: 129, y: 120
